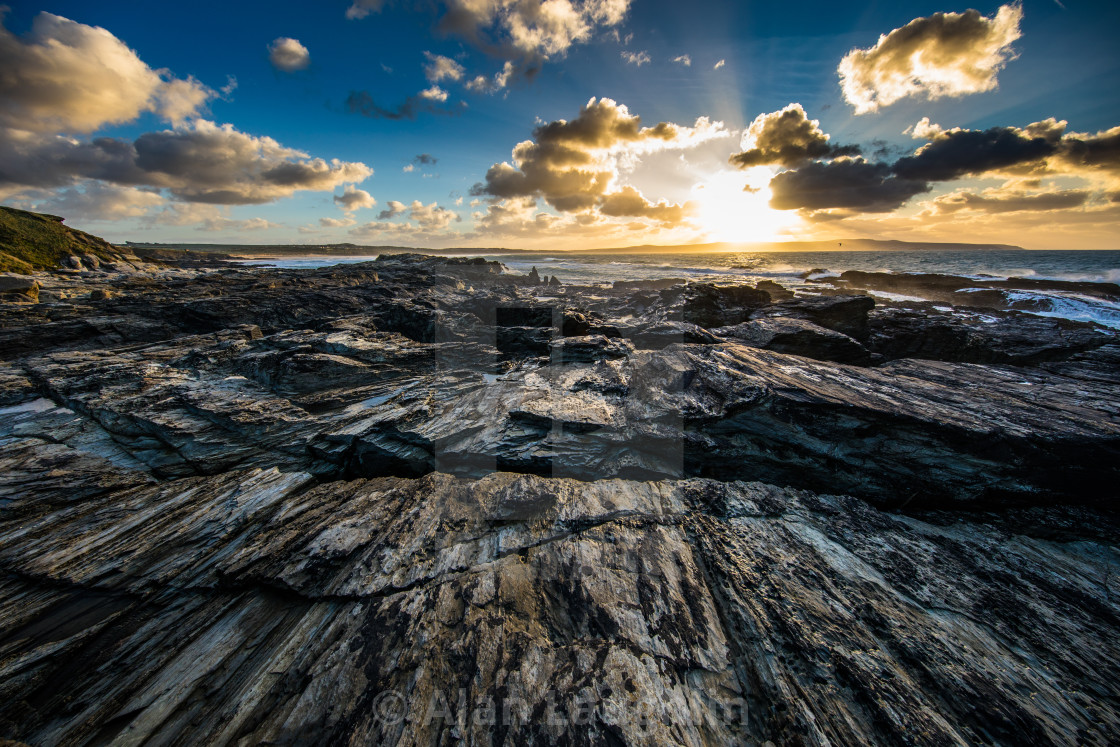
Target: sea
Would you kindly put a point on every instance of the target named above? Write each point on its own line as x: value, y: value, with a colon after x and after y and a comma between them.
x: 794, y: 269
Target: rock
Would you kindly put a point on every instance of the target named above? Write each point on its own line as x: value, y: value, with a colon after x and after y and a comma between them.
x: 655, y: 284
x: 361, y: 505
x: 554, y: 282
x: 1019, y: 340
x: 90, y: 262
x: 73, y: 262
x: 798, y: 337
x: 100, y: 294
x: 259, y: 605
x: 534, y: 276
x: 844, y: 314
x: 19, y: 288
x: 774, y: 290
x: 710, y: 305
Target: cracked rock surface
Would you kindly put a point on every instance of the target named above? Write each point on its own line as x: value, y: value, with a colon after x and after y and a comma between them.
x: 424, y: 501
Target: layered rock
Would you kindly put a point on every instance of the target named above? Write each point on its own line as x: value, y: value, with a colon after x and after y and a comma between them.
x: 424, y: 500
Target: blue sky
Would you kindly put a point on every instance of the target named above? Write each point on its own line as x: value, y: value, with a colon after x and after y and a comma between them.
x: 744, y: 60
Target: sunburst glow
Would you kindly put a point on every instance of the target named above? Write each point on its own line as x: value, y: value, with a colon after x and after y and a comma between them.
x: 728, y: 212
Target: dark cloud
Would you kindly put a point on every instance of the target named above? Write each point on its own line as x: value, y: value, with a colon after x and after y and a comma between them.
x: 957, y: 153
x: 1093, y: 151
x: 1011, y: 202
x: 854, y: 184
x: 204, y: 162
x: 787, y: 138
x: 361, y: 102
x: 425, y: 159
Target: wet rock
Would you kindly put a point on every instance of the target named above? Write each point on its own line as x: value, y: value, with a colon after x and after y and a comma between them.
x: 844, y: 314
x: 798, y: 337
x: 1019, y: 340
x: 710, y: 305
x: 776, y: 292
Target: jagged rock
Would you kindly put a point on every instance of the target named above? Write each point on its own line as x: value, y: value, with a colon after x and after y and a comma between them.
x: 534, y: 276
x: 798, y: 337
x: 186, y: 554
x: 844, y: 314
x: 710, y: 305
x: 655, y: 284
x: 774, y: 290
x: 1022, y: 340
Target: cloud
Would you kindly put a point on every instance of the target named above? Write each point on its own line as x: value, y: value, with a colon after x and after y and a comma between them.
x: 635, y: 58
x: 574, y: 166
x: 684, y: 60
x: 431, y: 217
x: 787, y: 138
x: 1004, y: 201
x: 531, y: 31
x: 202, y: 162
x: 525, y: 32
x: 425, y: 159
x: 336, y: 222
x: 956, y: 153
x: 288, y: 54
x: 482, y: 84
x: 409, y: 168
x: 206, y: 218
x: 66, y: 76
x: 719, y: 64
x: 1040, y: 149
x: 362, y: 8
x: 392, y: 209
x: 945, y: 54
x: 425, y: 102
x: 96, y: 201
x: 440, y: 68
x: 630, y: 202
x: 353, y: 199
x: 850, y: 183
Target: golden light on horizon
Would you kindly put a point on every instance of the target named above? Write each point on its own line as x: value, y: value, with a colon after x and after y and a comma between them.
x: 728, y: 212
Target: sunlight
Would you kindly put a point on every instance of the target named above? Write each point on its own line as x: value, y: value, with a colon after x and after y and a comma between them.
x: 729, y: 213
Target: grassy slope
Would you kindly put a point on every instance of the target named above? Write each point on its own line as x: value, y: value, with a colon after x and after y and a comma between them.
x: 34, y: 241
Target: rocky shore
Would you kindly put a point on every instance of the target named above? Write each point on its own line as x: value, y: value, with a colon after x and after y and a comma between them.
x: 427, y: 501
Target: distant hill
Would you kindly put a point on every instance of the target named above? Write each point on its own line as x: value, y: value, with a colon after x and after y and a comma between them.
x: 843, y: 245
x: 351, y: 250
x: 36, y: 241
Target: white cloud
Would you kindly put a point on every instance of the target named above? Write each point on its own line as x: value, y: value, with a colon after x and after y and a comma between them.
x: 636, y: 58
x: 353, y: 199
x: 288, y: 54
x: 435, y: 93
x: 66, y: 76
x: 684, y: 60
x: 441, y: 68
x: 482, y: 84
x: 96, y: 201
x: 336, y: 222
x: 719, y: 64
x: 945, y: 54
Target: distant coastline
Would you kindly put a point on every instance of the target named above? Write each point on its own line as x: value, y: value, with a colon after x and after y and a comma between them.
x: 351, y: 250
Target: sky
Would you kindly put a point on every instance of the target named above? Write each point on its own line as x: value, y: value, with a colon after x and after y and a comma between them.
x: 561, y: 124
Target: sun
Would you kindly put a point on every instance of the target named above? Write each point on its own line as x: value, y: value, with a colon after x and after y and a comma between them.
x: 728, y: 212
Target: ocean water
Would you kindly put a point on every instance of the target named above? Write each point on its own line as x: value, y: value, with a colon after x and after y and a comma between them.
x: 788, y: 268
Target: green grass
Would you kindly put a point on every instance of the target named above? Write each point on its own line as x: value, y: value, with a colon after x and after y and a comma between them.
x: 34, y: 241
